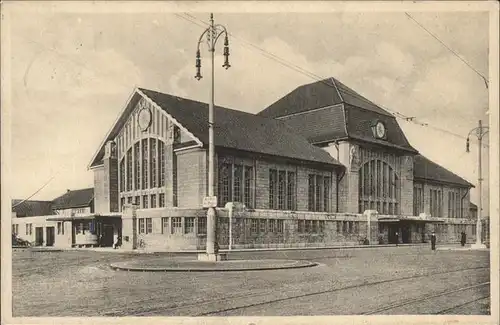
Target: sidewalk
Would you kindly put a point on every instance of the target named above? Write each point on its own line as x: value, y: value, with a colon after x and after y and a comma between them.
x: 235, y: 250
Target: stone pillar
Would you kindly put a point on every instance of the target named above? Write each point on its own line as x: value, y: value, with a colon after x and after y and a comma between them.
x: 371, y: 218
x: 129, y: 226
x: 349, y: 185
x: 110, y: 182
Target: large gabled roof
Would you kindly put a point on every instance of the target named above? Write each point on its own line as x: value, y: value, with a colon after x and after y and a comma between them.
x: 31, y: 208
x: 74, y: 199
x: 333, y: 111
x: 240, y: 130
x: 427, y: 170
x: 319, y: 94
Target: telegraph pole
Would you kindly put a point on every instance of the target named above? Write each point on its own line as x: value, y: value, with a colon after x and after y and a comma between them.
x: 480, y: 133
x: 212, y: 34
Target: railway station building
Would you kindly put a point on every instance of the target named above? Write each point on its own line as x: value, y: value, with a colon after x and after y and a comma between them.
x: 321, y: 166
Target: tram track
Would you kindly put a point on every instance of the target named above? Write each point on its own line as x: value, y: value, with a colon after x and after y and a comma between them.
x: 309, y: 294
x: 429, y: 298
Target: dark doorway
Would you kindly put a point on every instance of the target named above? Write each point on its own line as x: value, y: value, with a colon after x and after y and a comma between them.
x: 393, y: 230
x: 50, y: 236
x: 406, y: 233
x: 38, y: 236
x: 107, y: 235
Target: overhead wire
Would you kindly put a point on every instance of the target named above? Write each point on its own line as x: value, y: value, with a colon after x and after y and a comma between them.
x: 449, y: 49
x: 190, y: 18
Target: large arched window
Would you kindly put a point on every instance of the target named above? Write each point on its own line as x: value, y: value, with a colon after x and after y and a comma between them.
x: 143, y: 168
x: 379, y: 188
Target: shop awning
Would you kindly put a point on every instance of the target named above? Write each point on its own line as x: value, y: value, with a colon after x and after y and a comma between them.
x: 84, y: 217
x: 409, y: 218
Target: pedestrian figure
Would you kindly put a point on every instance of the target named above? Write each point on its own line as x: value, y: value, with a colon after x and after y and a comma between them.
x: 397, y: 238
x: 463, y: 238
x: 118, y: 242
x: 433, y: 241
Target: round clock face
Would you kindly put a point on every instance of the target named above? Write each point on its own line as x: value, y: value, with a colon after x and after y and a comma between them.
x: 380, y: 129
x: 144, y: 118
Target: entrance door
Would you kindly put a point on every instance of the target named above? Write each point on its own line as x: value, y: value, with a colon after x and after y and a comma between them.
x: 38, y: 236
x: 50, y: 236
x: 406, y: 233
x: 393, y: 229
x: 107, y: 235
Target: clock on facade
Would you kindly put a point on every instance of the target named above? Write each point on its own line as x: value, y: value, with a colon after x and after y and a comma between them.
x: 380, y: 130
x: 144, y: 118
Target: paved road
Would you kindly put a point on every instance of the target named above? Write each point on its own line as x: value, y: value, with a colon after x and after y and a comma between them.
x: 399, y: 280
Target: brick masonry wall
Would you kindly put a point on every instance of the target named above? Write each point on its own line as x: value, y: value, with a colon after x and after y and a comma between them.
x: 339, y: 229
x: 190, y: 178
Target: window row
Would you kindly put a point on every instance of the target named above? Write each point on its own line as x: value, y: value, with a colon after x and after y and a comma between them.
x: 60, y: 228
x: 282, y: 190
x: 86, y: 227
x: 319, y: 190
x: 143, y: 166
x: 347, y: 227
x: 29, y: 229
x: 387, y: 208
x: 265, y: 225
x: 436, y: 203
x: 418, y: 200
x: 378, y: 184
x: 150, y: 201
x: 310, y: 226
x: 15, y: 229
x: 236, y: 184
x: 173, y: 225
x: 455, y: 206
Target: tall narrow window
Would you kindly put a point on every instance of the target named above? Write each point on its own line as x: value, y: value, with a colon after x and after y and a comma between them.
x: 318, y: 197
x: 141, y: 225
x: 161, y: 162
x: 290, y: 192
x: 225, y: 183
x: 145, y: 202
x: 152, y: 155
x: 311, y: 196
x: 238, y: 183
x: 137, y: 166
x: 145, y: 164
x: 326, y: 193
x: 122, y: 175
x: 161, y: 200
x: 273, y: 186
x: 149, y: 226
x: 248, y: 186
x: 281, y: 189
x: 129, y: 169
x: 153, y: 201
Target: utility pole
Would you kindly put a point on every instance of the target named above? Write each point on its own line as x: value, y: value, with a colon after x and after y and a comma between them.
x: 481, y: 131
x: 212, y: 33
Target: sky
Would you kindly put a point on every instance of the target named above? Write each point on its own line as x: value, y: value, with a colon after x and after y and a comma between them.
x: 73, y: 72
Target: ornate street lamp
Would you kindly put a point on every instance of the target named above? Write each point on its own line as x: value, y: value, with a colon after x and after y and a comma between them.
x: 212, y: 34
x: 479, y: 132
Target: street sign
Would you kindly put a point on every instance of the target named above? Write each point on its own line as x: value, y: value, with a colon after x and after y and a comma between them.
x: 210, y: 201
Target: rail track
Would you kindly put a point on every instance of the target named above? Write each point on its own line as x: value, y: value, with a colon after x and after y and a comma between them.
x: 430, y: 298
x: 309, y: 294
x: 229, y: 300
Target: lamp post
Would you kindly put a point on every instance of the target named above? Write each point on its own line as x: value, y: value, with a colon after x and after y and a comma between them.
x: 479, y: 132
x: 212, y: 34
